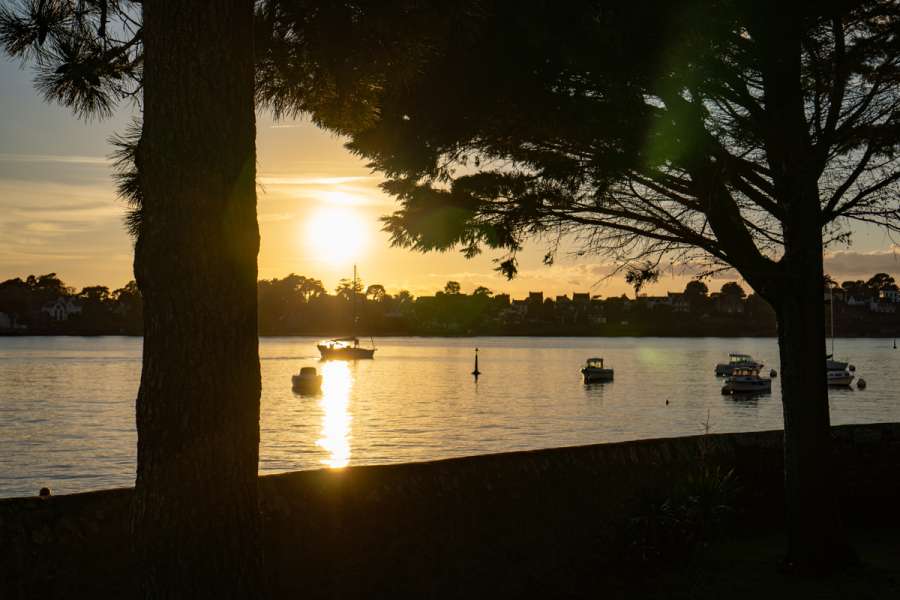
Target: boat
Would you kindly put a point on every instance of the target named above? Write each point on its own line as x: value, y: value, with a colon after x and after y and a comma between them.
x: 307, y: 381
x: 746, y: 380
x: 736, y: 360
x: 593, y: 371
x: 346, y: 348
x: 837, y: 365
x: 840, y: 378
x: 837, y: 373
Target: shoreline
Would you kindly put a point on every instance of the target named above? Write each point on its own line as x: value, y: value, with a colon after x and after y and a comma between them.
x: 883, y: 336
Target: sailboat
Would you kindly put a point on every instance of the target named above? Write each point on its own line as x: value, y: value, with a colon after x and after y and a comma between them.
x: 837, y: 373
x: 346, y: 348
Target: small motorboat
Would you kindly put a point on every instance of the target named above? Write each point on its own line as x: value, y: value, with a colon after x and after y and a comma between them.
x: 307, y: 381
x: 347, y: 348
x: 746, y: 380
x: 839, y: 378
x: 594, y: 371
x: 736, y: 360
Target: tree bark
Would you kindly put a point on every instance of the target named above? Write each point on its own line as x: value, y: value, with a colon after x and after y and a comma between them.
x: 817, y: 541
x: 816, y: 538
x: 195, y: 513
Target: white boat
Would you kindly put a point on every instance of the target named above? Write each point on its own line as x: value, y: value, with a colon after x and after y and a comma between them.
x: 307, y: 381
x: 736, y: 360
x: 839, y: 377
x: 593, y: 371
x: 746, y: 380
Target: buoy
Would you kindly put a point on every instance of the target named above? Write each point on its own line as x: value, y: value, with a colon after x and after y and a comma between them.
x: 45, y: 491
x: 773, y: 373
x: 851, y: 368
x: 667, y: 401
x: 476, y: 372
x: 861, y: 384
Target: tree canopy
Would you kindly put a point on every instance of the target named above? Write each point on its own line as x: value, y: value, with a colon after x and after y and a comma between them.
x: 638, y: 130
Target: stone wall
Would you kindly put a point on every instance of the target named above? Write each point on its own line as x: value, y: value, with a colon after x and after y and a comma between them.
x: 496, y: 523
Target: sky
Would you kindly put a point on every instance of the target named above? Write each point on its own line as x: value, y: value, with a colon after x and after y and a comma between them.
x: 318, y: 208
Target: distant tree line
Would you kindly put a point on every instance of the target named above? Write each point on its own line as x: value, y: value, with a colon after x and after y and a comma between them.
x: 300, y: 305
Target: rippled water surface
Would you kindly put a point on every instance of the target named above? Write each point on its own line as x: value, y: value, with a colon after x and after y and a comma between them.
x: 67, y: 403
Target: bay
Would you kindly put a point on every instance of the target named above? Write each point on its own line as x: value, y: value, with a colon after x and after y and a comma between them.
x: 67, y: 403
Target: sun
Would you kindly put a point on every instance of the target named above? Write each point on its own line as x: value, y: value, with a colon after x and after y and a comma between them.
x: 336, y: 234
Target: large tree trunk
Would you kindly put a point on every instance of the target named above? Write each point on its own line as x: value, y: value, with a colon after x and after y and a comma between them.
x: 195, y: 517
x: 816, y: 537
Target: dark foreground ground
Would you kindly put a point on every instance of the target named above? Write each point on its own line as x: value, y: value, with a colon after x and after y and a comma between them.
x: 743, y: 566
x: 681, y: 518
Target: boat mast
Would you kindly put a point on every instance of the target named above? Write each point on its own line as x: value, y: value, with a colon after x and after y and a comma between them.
x: 831, y: 301
x: 353, y: 323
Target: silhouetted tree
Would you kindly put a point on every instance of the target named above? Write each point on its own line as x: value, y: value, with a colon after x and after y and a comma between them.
x: 748, y: 134
x: 482, y: 291
x: 695, y: 289
x: 732, y: 289
x: 452, y: 288
x: 881, y: 282
x: 190, y: 179
x: 348, y: 288
x: 640, y: 275
x: 376, y: 292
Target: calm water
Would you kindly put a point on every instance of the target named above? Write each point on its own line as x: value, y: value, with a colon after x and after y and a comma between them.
x: 67, y: 404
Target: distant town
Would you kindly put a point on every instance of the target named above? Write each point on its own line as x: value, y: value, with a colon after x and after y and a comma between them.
x: 299, y: 305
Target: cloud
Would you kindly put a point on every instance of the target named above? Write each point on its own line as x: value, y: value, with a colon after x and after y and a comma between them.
x: 849, y: 263
x: 55, y: 158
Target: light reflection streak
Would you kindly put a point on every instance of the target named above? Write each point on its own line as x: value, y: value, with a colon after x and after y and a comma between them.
x: 336, y: 384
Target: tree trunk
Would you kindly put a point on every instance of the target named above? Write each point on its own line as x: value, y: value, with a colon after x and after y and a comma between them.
x: 816, y: 538
x: 195, y: 518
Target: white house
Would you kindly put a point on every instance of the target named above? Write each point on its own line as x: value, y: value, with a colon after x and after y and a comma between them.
x: 890, y: 296
x: 61, y: 308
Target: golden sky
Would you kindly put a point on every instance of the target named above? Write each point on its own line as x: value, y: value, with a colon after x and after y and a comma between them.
x: 318, y: 212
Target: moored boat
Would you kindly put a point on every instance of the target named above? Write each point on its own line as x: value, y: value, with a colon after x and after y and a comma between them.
x: 736, y: 360
x: 307, y: 381
x: 839, y: 377
x: 746, y: 380
x: 347, y: 348
x: 594, y: 371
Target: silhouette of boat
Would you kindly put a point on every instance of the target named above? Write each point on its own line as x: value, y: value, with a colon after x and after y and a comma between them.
x: 593, y: 371
x: 307, y: 381
x: 737, y: 360
x: 347, y: 348
x: 837, y: 373
x: 746, y: 380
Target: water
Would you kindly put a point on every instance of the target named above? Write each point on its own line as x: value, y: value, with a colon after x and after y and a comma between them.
x: 67, y: 404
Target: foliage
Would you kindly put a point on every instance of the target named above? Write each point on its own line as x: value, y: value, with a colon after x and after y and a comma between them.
x: 696, y: 289
x: 639, y: 276
x: 699, y: 510
x: 654, y: 129
x: 732, y: 289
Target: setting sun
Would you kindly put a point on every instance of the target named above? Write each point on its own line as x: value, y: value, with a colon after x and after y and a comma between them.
x: 336, y: 234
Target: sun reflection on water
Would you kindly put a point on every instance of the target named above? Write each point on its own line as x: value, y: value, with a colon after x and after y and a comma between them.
x: 336, y: 384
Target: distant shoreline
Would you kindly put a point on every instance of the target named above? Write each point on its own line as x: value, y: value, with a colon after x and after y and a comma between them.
x: 881, y: 336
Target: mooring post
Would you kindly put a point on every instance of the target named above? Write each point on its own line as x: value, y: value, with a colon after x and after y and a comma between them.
x: 476, y: 372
